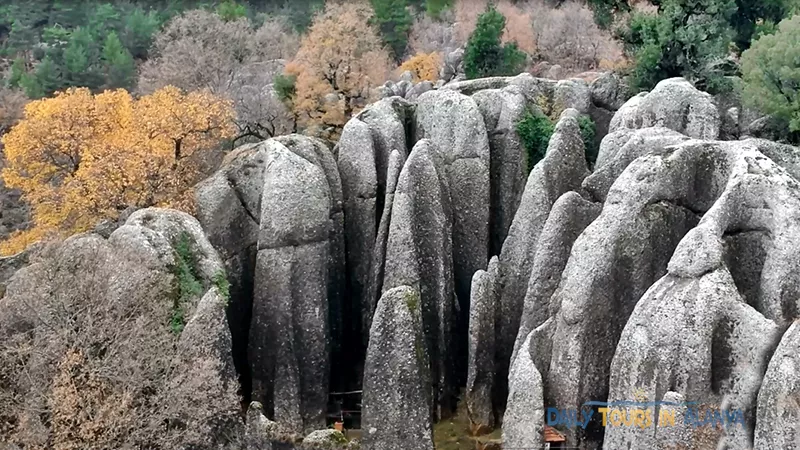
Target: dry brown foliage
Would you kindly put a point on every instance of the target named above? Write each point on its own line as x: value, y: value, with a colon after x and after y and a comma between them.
x: 198, y: 50
x: 340, y: 60
x: 568, y: 36
x: 565, y: 34
x: 87, y: 360
x: 430, y: 35
x: 12, y: 105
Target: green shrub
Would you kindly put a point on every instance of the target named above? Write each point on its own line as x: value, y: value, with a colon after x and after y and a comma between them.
x: 188, y: 284
x: 229, y: 10
x: 220, y: 280
x: 284, y: 86
x: 686, y: 38
x: 588, y: 133
x: 485, y: 55
x: 771, y: 75
x: 534, y: 130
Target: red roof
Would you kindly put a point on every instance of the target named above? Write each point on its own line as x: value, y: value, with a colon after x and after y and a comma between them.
x: 552, y: 435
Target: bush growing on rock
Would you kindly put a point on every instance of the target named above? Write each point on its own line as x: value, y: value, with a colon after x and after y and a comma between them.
x: 80, y: 158
x: 588, y: 132
x: 771, y: 74
x: 485, y: 55
x: 534, y: 131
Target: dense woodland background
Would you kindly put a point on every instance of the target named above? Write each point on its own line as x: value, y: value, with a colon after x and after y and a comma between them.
x: 108, y: 106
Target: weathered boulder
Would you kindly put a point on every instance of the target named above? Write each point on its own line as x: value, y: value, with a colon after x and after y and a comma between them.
x: 524, y: 418
x: 748, y: 205
x: 778, y: 414
x: 363, y: 155
x: 573, y: 93
x: 419, y: 89
x: 696, y: 337
x: 675, y: 104
x: 620, y: 148
x: 324, y: 440
x: 502, y: 110
x: 480, y: 366
x: 562, y: 169
x: 375, y: 286
x: 570, y: 215
x: 453, y: 65
x: 259, y: 431
x: 419, y: 254
x: 397, y: 396
x: 609, y: 91
x: 289, y: 347
x: 454, y: 125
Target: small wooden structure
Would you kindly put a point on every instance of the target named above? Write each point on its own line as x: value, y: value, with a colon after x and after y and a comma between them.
x: 553, y: 439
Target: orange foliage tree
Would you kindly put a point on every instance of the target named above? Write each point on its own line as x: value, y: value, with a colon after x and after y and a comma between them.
x: 80, y: 158
x: 340, y: 61
x: 424, y: 66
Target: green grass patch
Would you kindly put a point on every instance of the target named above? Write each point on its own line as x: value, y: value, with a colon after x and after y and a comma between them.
x: 188, y: 284
x: 220, y: 280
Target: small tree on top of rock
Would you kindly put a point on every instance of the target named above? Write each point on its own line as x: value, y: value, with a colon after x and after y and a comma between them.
x: 771, y: 74
x: 485, y: 55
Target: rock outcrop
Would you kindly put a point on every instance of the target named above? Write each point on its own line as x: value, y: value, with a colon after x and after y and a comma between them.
x: 481, y: 365
x: 778, y: 414
x: 397, y: 398
x: 418, y: 254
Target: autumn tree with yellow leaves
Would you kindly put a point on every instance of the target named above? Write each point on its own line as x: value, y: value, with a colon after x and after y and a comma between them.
x: 340, y: 61
x: 424, y: 66
x: 80, y: 158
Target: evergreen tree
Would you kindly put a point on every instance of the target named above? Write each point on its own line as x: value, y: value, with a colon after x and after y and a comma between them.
x: 393, y: 19
x: 434, y: 8
x: 771, y: 75
x: 687, y: 38
x: 119, y: 66
x: 230, y: 10
x: 485, y: 55
x: 16, y: 73
x: 138, y: 30
x: 44, y: 80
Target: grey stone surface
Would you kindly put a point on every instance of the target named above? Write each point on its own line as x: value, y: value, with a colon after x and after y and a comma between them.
x: 502, y: 110
x: 289, y: 345
x: 419, y: 254
x: 620, y: 148
x: 562, y: 169
x: 523, y: 422
x: 570, y: 215
x: 454, y: 125
x: 364, y: 153
x: 573, y: 93
x: 718, y: 361
x: 675, y: 104
x: 609, y: 91
x: 480, y: 365
x: 397, y: 397
x: 375, y: 286
x: 778, y: 413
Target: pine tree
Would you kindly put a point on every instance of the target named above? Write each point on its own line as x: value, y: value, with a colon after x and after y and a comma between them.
x: 118, y: 61
x: 394, y: 22
x: 485, y: 55
x: 16, y: 73
x: 44, y: 80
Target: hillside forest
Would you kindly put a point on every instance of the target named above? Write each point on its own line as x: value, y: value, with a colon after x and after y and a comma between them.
x: 112, y: 106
